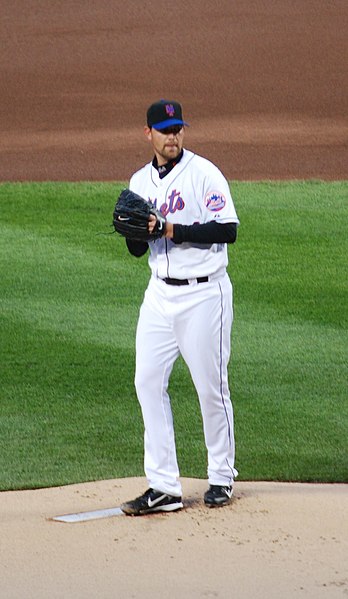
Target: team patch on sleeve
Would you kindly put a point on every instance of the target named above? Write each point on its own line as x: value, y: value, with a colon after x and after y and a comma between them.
x: 215, y: 201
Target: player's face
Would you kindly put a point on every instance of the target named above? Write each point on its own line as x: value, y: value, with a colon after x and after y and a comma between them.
x: 167, y: 143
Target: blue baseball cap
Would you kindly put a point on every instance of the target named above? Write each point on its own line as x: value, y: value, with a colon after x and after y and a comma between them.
x: 165, y: 113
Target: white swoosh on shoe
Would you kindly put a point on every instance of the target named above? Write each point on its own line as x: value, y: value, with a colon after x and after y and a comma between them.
x: 153, y: 502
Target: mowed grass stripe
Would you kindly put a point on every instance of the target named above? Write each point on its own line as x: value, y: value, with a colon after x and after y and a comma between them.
x: 70, y: 295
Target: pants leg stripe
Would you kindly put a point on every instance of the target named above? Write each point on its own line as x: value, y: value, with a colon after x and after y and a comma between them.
x: 221, y: 376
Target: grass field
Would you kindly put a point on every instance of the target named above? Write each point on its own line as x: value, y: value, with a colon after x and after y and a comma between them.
x: 69, y: 298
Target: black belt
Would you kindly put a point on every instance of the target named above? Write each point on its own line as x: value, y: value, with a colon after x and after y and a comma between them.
x: 170, y: 281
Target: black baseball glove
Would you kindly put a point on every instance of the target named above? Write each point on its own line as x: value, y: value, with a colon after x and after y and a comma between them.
x: 131, y: 217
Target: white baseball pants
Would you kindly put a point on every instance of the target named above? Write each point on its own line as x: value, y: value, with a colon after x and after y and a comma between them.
x: 194, y: 321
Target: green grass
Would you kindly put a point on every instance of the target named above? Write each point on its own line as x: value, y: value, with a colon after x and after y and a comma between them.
x: 69, y: 301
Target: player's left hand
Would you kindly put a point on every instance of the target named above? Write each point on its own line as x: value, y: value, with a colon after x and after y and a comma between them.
x: 152, y: 224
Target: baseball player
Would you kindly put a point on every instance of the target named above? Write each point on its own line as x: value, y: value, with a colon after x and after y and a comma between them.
x: 187, y: 310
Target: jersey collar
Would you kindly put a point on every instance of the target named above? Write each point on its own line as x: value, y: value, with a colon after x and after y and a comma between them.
x: 164, y: 169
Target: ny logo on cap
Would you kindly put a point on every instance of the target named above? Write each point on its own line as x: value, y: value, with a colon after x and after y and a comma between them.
x: 170, y: 109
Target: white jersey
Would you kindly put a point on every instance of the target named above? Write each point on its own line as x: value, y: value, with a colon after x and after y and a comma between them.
x: 194, y: 191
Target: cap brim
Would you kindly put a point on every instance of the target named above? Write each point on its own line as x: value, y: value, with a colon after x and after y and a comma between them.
x: 169, y: 123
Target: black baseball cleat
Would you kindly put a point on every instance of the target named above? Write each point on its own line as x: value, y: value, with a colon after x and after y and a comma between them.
x: 152, y: 501
x: 217, y: 496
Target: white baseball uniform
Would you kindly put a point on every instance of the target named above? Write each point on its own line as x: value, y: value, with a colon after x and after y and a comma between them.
x: 193, y: 320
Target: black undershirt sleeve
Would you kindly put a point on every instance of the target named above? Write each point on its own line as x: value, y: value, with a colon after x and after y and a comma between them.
x: 211, y: 232
x: 137, y: 248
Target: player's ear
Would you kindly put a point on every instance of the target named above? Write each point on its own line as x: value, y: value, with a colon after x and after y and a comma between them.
x: 147, y: 131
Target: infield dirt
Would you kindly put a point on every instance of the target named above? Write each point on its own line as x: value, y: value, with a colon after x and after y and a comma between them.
x: 274, y: 540
x: 263, y: 84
